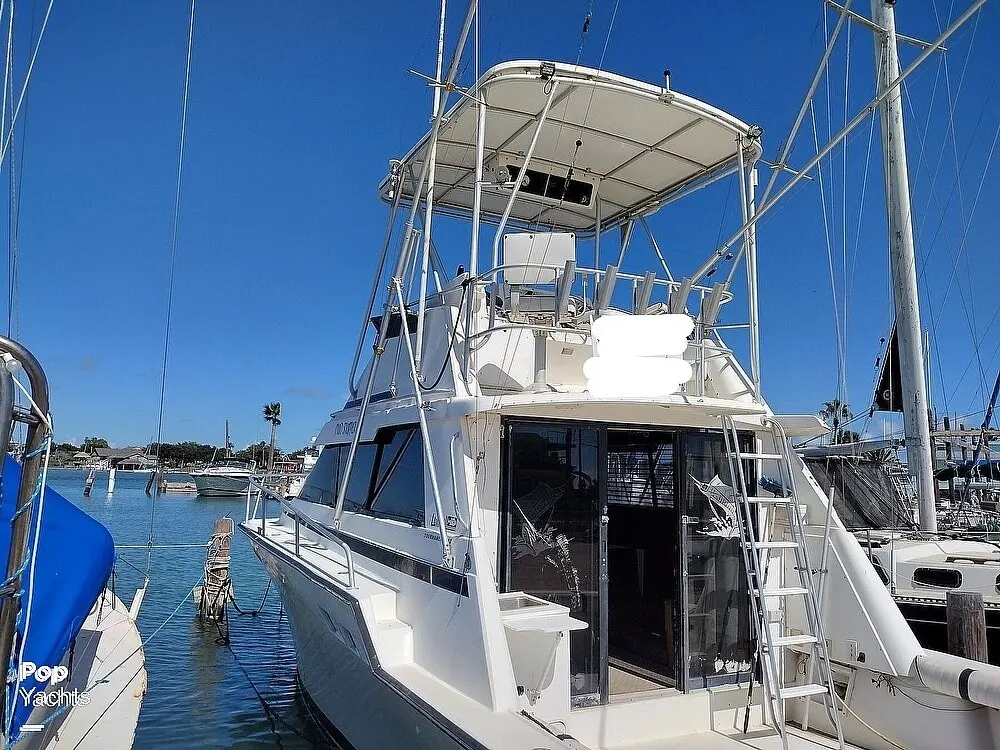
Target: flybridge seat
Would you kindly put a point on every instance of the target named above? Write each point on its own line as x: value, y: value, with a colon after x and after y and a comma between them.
x: 534, y: 270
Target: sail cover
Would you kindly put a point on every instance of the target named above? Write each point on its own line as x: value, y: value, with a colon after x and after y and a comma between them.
x: 73, y: 562
x: 889, y: 391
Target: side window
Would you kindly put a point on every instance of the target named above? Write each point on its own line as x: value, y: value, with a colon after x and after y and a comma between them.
x: 324, y: 480
x: 359, y: 484
x: 399, y: 487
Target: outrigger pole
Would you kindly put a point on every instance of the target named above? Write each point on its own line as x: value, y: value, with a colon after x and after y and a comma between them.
x: 395, y: 286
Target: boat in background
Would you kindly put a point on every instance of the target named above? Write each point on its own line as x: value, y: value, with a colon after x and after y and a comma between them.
x: 229, y: 477
x: 77, y: 667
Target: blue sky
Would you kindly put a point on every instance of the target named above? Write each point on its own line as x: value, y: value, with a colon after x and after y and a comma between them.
x: 294, y: 112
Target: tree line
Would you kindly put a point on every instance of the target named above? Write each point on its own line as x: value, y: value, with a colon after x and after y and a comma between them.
x: 175, y: 454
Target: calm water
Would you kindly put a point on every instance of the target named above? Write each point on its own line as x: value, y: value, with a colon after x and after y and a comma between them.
x: 199, y: 696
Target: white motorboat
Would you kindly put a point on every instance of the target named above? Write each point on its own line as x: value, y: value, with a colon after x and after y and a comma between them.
x: 226, y: 478
x: 537, y: 522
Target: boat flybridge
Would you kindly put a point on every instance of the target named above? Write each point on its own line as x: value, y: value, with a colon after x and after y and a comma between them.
x: 541, y: 520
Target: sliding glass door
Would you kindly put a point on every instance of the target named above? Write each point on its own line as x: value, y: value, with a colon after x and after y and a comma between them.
x: 636, y: 532
x: 556, y: 536
x: 715, y: 602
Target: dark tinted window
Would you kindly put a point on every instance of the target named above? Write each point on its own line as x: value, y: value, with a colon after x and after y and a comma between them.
x: 880, y: 569
x: 942, y: 578
x: 324, y: 480
x: 399, y: 486
x: 640, y: 469
x: 359, y: 483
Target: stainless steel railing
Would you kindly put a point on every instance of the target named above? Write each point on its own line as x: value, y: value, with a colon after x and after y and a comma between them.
x: 300, y: 519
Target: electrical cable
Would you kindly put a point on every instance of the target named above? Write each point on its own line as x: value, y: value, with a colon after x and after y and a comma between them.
x: 451, y: 342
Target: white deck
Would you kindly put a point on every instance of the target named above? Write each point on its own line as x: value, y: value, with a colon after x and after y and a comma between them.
x: 693, y: 722
x: 715, y: 740
x: 109, y: 663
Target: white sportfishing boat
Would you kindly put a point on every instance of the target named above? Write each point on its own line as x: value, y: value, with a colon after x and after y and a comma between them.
x: 537, y: 522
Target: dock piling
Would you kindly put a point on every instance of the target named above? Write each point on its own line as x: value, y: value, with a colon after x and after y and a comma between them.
x: 212, y: 597
x: 966, y: 615
x: 89, y: 484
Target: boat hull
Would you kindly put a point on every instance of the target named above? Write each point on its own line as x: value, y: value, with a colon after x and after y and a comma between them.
x: 929, y: 621
x: 109, y: 666
x: 221, y: 486
x: 345, y: 684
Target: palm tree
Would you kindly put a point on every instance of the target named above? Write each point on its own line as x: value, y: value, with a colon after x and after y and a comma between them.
x: 834, y: 411
x: 272, y: 414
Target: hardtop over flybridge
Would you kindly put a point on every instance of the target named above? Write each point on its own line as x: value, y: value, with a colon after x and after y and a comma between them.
x: 539, y: 520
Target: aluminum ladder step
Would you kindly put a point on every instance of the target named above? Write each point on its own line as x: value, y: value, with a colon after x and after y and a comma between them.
x: 801, y: 691
x: 793, y: 640
x: 760, y: 456
x: 787, y: 591
x: 758, y: 554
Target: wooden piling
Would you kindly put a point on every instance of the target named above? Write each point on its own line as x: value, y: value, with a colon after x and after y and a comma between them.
x: 212, y: 597
x: 966, y: 615
x: 89, y: 484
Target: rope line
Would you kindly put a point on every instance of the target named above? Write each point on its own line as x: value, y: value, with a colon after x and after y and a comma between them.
x: 24, y: 87
x: 173, y: 263
x: 829, y: 256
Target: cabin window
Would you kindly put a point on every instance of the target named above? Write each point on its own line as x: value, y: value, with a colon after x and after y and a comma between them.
x: 324, y: 479
x: 399, y: 485
x: 880, y: 569
x: 554, y: 533
x: 640, y: 471
x: 940, y: 578
x: 360, y: 481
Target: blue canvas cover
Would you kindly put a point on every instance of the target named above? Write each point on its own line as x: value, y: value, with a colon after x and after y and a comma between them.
x: 73, y: 562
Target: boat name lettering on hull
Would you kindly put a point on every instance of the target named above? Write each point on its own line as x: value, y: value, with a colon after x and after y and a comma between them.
x: 343, y: 429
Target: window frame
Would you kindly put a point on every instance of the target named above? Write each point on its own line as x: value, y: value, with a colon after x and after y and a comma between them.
x: 384, y: 438
x: 377, y: 479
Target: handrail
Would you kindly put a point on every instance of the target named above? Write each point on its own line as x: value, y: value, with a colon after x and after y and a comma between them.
x: 38, y: 431
x: 454, y: 484
x: 313, y: 525
x: 598, y: 273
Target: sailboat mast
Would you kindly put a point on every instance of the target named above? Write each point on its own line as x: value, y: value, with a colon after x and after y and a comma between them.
x: 229, y: 451
x: 904, y: 268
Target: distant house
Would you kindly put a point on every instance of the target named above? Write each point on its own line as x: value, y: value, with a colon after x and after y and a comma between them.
x: 123, y: 459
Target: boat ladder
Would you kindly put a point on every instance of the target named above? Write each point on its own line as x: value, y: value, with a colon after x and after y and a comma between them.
x: 763, y: 558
